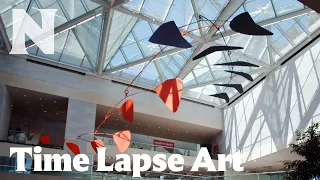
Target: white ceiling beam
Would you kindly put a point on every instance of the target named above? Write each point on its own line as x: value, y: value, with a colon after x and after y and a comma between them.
x: 171, y: 51
x: 104, y: 40
x: 106, y: 32
x: 228, y: 11
x: 152, y: 21
x: 266, y: 23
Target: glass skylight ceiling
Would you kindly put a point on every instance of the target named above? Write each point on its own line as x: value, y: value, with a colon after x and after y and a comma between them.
x: 132, y: 24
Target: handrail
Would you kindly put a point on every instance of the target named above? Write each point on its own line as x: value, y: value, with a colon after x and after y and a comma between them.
x: 94, y: 174
x: 192, y: 152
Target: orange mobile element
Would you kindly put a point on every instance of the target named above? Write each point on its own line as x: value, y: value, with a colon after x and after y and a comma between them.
x: 170, y: 92
x: 97, y: 144
x: 45, y: 139
x: 126, y: 110
x: 122, y: 140
x: 73, y: 147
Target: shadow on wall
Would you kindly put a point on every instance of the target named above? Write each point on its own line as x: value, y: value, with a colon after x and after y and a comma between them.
x: 265, y: 120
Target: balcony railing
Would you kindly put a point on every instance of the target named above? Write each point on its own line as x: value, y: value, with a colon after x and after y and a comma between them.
x: 151, y: 147
x: 146, y: 175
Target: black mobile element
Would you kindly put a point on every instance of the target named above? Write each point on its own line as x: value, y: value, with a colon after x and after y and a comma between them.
x: 222, y: 96
x: 213, y: 49
x: 238, y: 87
x: 245, y: 75
x: 168, y: 34
x: 237, y: 63
x: 243, y: 23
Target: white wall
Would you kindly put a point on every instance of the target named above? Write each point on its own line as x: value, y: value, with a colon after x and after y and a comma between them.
x: 18, y: 72
x: 265, y: 120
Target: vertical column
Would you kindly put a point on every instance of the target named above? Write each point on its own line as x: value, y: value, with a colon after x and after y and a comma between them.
x: 81, y: 119
x: 5, y: 112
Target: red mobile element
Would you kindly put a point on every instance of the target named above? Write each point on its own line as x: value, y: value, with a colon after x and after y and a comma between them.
x: 45, y: 139
x: 170, y: 92
x: 122, y: 140
x: 126, y: 110
x: 73, y: 147
x: 97, y: 144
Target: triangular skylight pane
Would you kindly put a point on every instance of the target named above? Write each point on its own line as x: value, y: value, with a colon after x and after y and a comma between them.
x: 164, y: 70
x: 89, y: 36
x: 72, y: 52
x: 121, y: 26
x: 89, y: 5
x: 156, y: 9
x: 67, y: 50
x: 137, y: 47
x: 194, y: 28
x: 260, y: 10
x: 265, y: 57
x: 181, y: 12
x: 149, y: 76
x: 209, y: 9
x: 134, y: 5
x: 310, y: 21
x: 118, y: 60
x: 189, y: 80
x: 256, y: 47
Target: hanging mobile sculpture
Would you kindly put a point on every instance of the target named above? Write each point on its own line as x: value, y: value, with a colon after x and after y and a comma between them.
x: 170, y: 91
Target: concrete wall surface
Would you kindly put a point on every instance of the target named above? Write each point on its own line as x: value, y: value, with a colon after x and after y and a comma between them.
x: 18, y: 72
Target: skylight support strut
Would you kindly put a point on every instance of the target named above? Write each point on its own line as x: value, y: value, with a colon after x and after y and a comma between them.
x: 105, y: 38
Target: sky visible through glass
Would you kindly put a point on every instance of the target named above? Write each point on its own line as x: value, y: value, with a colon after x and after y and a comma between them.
x: 128, y: 48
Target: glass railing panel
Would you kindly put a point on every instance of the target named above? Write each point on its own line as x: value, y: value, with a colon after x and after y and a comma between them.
x: 8, y: 164
x: 31, y: 138
x: 151, y: 147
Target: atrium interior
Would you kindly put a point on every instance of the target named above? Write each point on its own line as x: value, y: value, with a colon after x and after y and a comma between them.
x: 102, y: 46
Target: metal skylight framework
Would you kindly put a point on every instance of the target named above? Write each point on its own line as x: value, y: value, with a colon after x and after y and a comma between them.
x: 109, y: 39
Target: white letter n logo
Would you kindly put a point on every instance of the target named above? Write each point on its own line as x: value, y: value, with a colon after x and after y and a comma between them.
x: 23, y: 25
